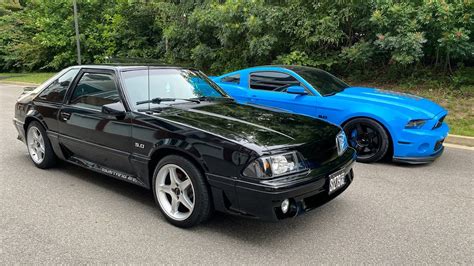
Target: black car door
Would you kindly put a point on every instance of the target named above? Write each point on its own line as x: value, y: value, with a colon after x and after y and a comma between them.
x: 88, y: 133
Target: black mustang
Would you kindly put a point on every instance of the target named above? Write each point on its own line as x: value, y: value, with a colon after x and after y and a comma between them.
x: 176, y: 132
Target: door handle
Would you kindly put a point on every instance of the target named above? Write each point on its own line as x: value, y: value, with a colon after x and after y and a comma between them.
x: 65, y: 116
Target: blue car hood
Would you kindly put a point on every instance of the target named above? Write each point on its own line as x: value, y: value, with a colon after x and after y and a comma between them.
x: 397, y: 100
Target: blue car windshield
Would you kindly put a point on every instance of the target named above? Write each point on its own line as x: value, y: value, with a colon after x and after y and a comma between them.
x: 325, y: 83
x: 146, y: 84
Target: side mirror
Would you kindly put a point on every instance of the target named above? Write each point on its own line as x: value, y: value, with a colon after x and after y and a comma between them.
x: 114, y: 109
x: 296, y: 90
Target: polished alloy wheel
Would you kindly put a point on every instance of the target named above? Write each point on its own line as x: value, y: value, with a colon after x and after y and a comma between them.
x: 36, y: 146
x: 175, y: 192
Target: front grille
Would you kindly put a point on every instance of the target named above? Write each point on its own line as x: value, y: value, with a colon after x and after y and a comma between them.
x: 439, y: 123
x: 439, y: 144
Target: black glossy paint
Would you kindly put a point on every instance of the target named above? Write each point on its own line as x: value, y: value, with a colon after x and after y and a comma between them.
x: 221, y: 137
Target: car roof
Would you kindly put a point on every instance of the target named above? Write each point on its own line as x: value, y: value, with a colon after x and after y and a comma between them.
x: 276, y: 67
x: 122, y: 67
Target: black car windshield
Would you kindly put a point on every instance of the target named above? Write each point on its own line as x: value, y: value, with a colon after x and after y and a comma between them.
x: 325, y: 83
x: 171, y: 83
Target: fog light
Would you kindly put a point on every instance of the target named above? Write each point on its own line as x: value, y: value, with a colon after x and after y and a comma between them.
x: 285, y: 206
x: 423, y: 147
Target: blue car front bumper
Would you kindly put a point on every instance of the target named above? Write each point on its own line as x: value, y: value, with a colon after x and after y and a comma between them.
x: 417, y: 146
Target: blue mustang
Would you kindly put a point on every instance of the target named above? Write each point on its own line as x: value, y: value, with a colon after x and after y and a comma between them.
x: 377, y: 122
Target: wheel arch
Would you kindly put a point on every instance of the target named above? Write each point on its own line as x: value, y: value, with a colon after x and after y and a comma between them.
x: 382, y: 123
x: 160, y: 153
x: 31, y: 118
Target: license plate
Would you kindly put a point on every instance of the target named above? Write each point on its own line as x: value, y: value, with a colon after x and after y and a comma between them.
x: 337, y: 180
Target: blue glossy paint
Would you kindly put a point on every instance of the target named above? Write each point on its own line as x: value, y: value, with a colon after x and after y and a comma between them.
x: 391, y: 109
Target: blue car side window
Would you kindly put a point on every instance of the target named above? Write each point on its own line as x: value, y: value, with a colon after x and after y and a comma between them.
x: 231, y: 79
x: 272, y: 81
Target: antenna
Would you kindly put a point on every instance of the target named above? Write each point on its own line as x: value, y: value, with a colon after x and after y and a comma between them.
x: 76, y: 27
x: 148, y: 81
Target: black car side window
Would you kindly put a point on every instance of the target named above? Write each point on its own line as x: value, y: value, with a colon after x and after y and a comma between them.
x: 272, y: 81
x: 231, y: 79
x: 57, y: 89
x: 95, y: 90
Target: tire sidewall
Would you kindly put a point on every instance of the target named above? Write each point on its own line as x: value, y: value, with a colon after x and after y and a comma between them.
x: 201, y: 193
x: 380, y: 130
x: 49, y: 157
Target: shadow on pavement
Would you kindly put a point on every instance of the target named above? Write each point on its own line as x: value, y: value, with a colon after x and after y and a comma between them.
x: 235, y: 227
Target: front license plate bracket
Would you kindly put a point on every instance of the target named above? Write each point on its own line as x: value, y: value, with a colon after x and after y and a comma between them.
x: 337, y: 180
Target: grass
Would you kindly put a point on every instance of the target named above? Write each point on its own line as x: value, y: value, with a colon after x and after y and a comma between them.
x: 459, y: 102
x: 26, y: 77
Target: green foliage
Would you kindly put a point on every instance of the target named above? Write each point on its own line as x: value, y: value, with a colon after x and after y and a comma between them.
x: 463, y: 79
x: 295, y: 58
x: 399, y: 31
x: 218, y: 36
x: 359, y: 54
x: 234, y: 34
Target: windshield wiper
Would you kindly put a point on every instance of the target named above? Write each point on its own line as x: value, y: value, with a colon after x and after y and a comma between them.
x: 160, y: 100
x: 208, y: 98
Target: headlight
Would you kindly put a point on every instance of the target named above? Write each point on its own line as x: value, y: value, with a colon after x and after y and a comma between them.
x: 417, y: 123
x: 341, y: 141
x: 275, y: 165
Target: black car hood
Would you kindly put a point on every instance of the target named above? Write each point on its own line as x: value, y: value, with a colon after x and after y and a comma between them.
x: 260, y: 129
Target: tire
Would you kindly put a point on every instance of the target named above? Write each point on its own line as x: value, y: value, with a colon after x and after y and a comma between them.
x: 182, y: 203
x: 39, y: 146
x: 368, y: 137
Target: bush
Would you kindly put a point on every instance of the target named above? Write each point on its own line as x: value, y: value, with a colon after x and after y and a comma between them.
x: 218, y: 36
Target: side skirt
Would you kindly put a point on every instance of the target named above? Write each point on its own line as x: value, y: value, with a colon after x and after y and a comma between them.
x: 104, y: 170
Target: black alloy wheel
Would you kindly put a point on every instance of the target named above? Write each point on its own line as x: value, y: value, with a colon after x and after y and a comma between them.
x: 368, y: 138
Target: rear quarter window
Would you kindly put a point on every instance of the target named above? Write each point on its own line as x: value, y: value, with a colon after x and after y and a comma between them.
x: 56, y: 91
x: 272, y: 81
x: 231, y: 79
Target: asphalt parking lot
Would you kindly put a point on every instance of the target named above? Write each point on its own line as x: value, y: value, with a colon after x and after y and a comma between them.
x: 391, y: 214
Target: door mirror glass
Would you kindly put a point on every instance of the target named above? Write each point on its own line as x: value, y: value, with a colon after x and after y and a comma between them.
x: 296, y: 90
x: 114, y: 109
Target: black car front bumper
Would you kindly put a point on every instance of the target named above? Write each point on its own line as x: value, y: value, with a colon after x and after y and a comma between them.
x: 263, y: 199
